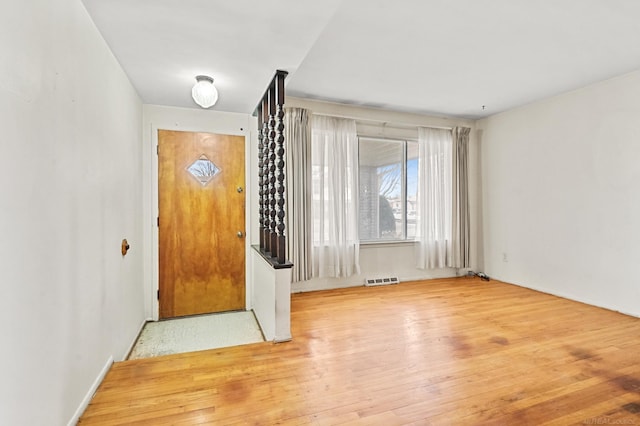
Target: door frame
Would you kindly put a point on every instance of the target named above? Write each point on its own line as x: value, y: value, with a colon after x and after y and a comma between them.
x: 187, y: 120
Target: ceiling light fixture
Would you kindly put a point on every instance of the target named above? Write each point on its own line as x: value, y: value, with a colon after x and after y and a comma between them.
x: 204, y: 93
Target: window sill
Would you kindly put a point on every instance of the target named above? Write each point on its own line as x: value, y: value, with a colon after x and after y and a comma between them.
x: 390, y: 243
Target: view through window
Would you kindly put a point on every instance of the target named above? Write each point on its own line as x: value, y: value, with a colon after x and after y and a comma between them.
x: 388, y: 189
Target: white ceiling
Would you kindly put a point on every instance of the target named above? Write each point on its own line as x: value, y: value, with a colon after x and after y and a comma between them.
x: 442, y: 57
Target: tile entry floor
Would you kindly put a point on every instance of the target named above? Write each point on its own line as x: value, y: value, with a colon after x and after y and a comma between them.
x: 197, y: 333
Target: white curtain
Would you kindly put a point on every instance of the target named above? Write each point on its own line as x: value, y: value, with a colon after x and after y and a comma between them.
x: 434, y: 210
x: 334, y: 213
x: 298, y: 207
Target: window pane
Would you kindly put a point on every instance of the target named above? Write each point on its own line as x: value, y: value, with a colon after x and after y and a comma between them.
x: 412, y: 188
x: 381, y: 190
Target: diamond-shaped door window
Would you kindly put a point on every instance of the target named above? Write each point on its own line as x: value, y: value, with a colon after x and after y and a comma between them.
x: 203, y: 170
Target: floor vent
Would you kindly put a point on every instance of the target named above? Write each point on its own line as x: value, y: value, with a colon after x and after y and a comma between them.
x: 381, y: 281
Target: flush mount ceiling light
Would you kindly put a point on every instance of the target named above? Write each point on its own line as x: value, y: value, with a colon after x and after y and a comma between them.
x: 204, y: 93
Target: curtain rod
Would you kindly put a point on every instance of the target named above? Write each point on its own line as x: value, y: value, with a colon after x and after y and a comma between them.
x: 384, y: 122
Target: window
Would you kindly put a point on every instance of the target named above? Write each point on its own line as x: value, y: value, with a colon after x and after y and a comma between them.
x: 388, y: 189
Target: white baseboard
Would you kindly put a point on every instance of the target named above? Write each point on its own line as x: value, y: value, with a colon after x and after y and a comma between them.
x: 135, y: 339
x: 92, y: 390
x: 317, y: 284
x: 573, y: 297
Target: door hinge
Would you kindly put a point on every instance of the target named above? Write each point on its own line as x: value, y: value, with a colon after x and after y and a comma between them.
x: 158, y: 221
x: 158, y: 294
x: 157, y: 150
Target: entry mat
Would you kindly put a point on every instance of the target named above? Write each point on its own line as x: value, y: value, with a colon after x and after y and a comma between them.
x: 196, y: 334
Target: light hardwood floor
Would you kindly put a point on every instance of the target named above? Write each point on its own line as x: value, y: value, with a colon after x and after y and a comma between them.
x: 442, y: 352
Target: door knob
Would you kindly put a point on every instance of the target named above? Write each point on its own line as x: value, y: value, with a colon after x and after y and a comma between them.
x: 240, y: 190
x: 240, y: 234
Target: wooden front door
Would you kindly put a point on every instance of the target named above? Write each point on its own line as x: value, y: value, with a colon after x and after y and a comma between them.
x: 201, y: 223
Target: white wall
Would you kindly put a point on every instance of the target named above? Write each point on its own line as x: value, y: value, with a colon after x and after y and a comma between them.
x: 192, y: 120
x: 70, y: 179
x: 271, y: 298
x: 395, y: 259
x: 561, y: 194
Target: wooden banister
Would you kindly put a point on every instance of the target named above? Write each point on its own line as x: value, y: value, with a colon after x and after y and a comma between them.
x: 271, y: 172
